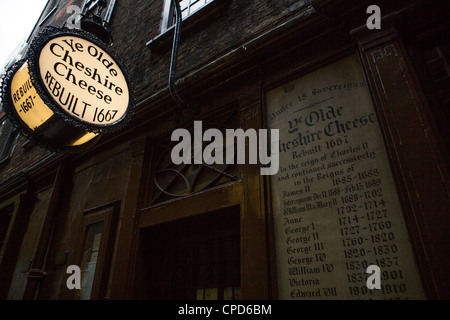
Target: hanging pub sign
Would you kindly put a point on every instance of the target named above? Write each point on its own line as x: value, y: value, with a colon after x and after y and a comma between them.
x: 69, y: 90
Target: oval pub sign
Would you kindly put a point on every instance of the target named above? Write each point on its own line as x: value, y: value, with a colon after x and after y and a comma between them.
x: 68, y: 90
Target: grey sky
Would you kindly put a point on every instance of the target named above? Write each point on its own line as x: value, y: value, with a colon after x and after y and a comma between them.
x: 17, y: 19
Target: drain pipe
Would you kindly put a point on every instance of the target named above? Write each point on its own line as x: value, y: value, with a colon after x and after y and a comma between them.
x: 173, y: 61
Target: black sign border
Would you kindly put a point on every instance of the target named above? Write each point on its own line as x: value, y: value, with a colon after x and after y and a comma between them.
x: 33, y: 54
x: 36, y: 136
x: 11, y: 112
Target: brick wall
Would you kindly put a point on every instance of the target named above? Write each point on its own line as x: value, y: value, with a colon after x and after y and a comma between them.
x: 136, y: 22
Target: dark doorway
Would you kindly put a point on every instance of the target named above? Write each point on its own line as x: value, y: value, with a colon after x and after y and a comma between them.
x: 195, y: 258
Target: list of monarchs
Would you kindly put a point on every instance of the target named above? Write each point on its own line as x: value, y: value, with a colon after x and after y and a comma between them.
x: 335, y: 205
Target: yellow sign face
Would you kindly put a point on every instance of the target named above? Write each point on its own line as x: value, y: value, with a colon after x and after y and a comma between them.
x: 88, y: 136
x: 29, y: 106
x: 84, y: 80
x: 69, y: 90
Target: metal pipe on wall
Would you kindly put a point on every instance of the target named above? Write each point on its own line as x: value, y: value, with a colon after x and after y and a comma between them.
x: 173, y: 61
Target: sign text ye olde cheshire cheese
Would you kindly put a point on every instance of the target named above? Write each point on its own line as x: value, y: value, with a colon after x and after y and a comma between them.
x: 84, y: 80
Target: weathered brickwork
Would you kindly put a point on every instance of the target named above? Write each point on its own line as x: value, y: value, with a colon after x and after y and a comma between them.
x: 134, y: 23
x: 233, y: 24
